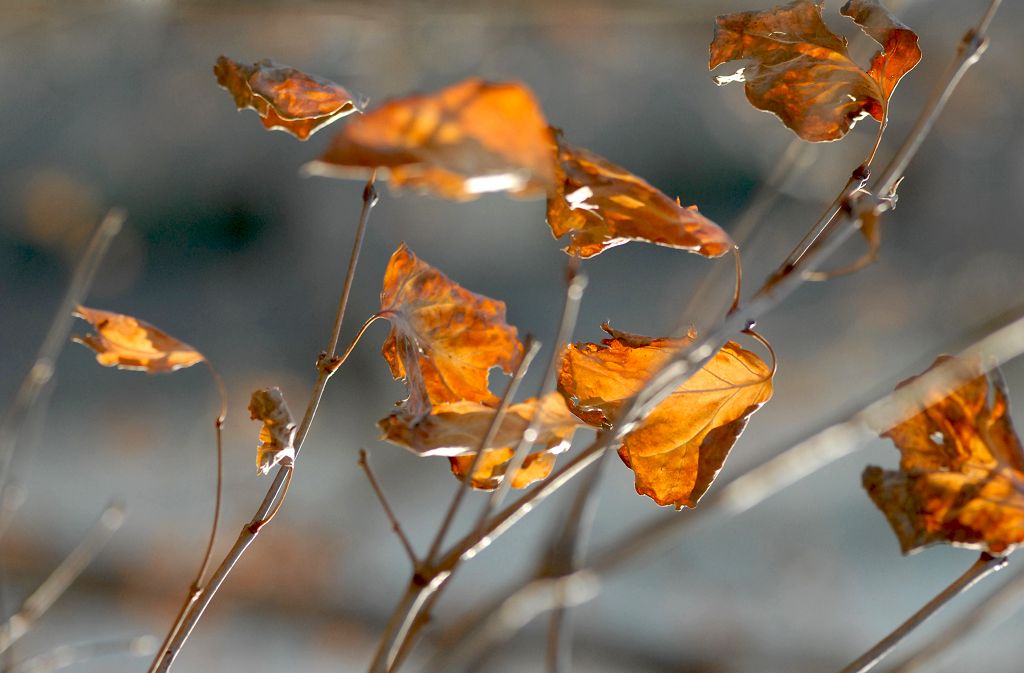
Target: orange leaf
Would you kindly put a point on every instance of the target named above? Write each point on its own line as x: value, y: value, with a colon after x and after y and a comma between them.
x: 603, y: 205
x: 961, y: 476
x: 444, y: 339
x: 801, y: 71
x: 286, y: 99
x: 128, y: 343
x: 467, y: 139
x: 277, y: 436
x: 457, y: 429
x: 677, y: 451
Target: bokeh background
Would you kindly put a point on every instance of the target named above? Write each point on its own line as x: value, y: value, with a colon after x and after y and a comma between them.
x: 227, y: 247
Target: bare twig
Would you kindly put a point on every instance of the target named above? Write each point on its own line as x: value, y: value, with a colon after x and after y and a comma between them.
x: 395, y: 525
x: 42, y: 369
x: 69, y: 655
x: 54, y: 586
x: 982, y: 568
x: 326, y: 366
x: 530, y: 349
x: 1001, y: 602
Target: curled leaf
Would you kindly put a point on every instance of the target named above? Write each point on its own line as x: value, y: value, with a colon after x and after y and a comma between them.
x: 277, y: 436
x: 678, y: 450
x: 286, y: 99
x: 457, y: 430
x: 465, y: 140
x: 801, y: 71
x: 602, y: 205
x: 129, y: 343
x: 961, y: 476
x: 444, y: 339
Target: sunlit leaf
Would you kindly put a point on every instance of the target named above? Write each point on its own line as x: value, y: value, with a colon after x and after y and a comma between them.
x: 457, y: 430
x: 277, y: 436
x: 444, y: 339
x: 465, y: 140
x: 801, y: 71
x: 601, y: 205
x: 129, y: 343
x: 286, y: 99
x: 677, y: 451
x: 961, y: 476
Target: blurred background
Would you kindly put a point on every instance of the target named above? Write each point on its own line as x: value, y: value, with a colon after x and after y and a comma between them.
x: 228, y: 248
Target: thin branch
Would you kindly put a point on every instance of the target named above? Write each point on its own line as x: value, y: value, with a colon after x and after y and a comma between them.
x: 69, y: 655
x: 531, y: 348
x: 42, y: 369
x: 1001, y: 602
x: 272, y: 501
x: 395, y: 525
x: 54, y: 586
x: 577, y: 283
x: 519, y: 605
x: 982, y: 568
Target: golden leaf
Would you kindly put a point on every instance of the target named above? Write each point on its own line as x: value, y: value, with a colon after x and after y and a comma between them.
x: 961, y: 476
x: 129, y: 343
x: 277, y: 436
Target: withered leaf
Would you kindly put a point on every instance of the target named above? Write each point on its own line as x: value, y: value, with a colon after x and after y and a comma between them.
x: 129, y: 343
x: 801, y: 71
x: 444, y: 339
x: 468, y: 139
x: 457, y: 429
x: 286, y: 99
x: 277, y: 436
x: 602, y: 205
x: 678, y: 450
x: 961, y: 476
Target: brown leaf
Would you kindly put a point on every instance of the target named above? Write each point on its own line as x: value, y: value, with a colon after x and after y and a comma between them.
x: 467, y: 139
x: 444, y: 339
x: 457, y: 429
x: 801, y: 71
x: 961, y: 476
x: 277, y: 436
x: 677, y: 451
x: 603, y: 205
x: 286, y: 99
x: 129, y: 343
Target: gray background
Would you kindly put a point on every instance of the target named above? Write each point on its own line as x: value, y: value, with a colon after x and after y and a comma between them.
x: 228, y: 248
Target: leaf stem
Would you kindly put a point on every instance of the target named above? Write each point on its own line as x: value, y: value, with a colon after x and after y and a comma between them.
x: 982, y: 568
x: 395, y: 525
x: 274, y: 498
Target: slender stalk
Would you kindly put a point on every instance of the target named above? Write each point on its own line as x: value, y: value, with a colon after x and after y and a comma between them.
x: 1001, y: 602
x: 519, y: 605
x: 42, y: 369
x: 982, y: 568
x: 577, y: 283
x: 70, y: 655
x: 395, y: 525
x: 272, y: 501
x: 54, y: 586
x: 531, y: 348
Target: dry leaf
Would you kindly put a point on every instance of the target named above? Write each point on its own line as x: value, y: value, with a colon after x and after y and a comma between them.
x: 286, y: 99
x: 444, y: 339
x: 129, y: 343
x: 467, y: 139
x: 801, y: 71
x: 277, y: 436
x: 677, y: 451
x: 603, y: 205
x: 961, y: 476
x: 457, y: 429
